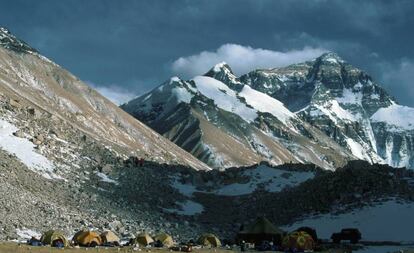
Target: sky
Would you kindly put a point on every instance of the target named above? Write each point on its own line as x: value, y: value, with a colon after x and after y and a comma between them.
x: 126, y: 48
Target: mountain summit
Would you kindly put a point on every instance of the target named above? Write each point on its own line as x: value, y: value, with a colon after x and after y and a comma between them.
x: 9, y: 41
x: 278, y: 114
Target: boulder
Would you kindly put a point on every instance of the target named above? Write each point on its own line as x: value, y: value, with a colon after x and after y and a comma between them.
x: 15, y: 104
x: 19, y: 133
x: 107, y: 168
x: 34, y: 112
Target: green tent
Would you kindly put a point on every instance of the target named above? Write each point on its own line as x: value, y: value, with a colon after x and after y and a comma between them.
x: 51, y: 237
x: 261, y: 230
x: 165, y: 239
x: 142, y: 239
x: 209, y: 240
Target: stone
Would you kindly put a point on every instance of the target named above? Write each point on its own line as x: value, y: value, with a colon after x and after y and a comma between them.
x: 15, y: 103
x: 107, y: 168
x: 19, y: 133
x: 40, y: 138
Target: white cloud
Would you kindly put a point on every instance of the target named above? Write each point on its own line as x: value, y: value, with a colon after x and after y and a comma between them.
x: 116, y: 94
x: 241, y: 59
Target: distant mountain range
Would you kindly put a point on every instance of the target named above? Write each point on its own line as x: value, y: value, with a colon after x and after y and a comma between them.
x: 323, y: 111
x: 71, y: 159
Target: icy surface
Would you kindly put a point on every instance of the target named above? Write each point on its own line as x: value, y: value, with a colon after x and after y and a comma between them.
x: 402, y: 117
x: 188, y: 207
x: 334, y: 111
x: 350, y: 97
x: 224, y: 97
x: 219, y: 66
x: 383, y: 249
x: 274, y: 180
x: 184, y: 189
x: 265, y: 103
x: 389, y: 221
x: 105, y: 178
x: 27, y: 234
x: 24, y: 150
x: 357, y: 149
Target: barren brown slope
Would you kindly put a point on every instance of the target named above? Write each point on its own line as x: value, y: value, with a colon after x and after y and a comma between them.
x: 35, y: 81
x: 235, y: 151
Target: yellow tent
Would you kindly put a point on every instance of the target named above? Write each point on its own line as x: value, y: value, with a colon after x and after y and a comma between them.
x: 209, y: 240
x: 110, y: 237
x: 165, y: 239
x: 299, y: 240
x: 143, y: 239
x: 52, y: 237
x: 87, y: 239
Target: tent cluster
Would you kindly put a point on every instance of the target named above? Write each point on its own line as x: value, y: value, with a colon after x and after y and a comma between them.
x: 261, y: 233
x: 266, y: 236
x: 85, y: 238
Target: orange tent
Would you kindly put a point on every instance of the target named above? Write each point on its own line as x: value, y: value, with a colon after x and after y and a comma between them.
x: 87, y: 239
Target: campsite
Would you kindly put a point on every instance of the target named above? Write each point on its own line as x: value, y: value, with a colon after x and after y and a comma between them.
x: 260, y: 235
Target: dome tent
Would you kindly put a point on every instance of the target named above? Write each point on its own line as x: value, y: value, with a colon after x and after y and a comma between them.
x: 53, y: 238
x: 110, y: 237
x: 209, y: 240
x: 298, y: 240
x: 261, y: 230
x: 87, y: 239
x: 165, y: 239
x: 142, y: 239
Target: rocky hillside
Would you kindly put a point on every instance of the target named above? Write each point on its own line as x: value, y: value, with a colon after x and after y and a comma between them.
x: 29, y: 80
x: 64, y: 149
x: 323, y: 111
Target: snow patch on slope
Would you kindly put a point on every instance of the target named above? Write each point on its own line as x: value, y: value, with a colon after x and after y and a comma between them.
x: 105, y: 178
x: 350, y: 97
x: 184, y: 189
x: 187, y: 207
x: 27, y: 234
x: 224, y: 97
x: 389, y: 221
x: 227, y: 99
x: 273, y: 180
x: 398, y: 116
x: 333, y: 111
x: 24, y: 150
x: 357, y: 150
x: 265, y: 103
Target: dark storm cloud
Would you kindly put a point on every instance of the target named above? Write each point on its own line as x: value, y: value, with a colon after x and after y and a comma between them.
x: 133, y: 44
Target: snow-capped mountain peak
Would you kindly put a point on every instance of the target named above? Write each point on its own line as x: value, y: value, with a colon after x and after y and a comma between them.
x: 331, y: 57
x: 332, y: 96
x: 222, y: 72
x: 222, y: 66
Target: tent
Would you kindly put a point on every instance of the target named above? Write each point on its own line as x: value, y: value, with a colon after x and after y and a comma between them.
x: 165, y: 239
x: 87, y: 239
x: 261, y: 230
x: 110, y: 237
x: 54, y: 238
x: 310, y: 231
x: 298, y: 240
x: 143, y: 239
x: 209, y: 240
